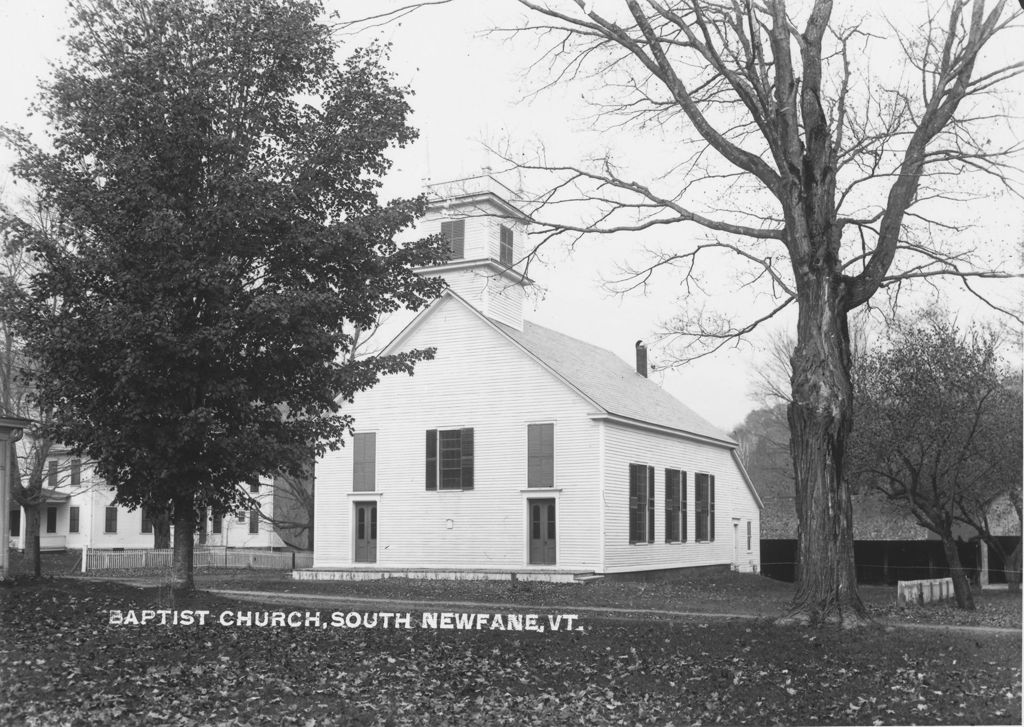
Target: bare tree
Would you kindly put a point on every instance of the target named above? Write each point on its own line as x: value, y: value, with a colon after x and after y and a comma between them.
x: 823, y: 183
x: 937, y: 427
x: 30, y: 456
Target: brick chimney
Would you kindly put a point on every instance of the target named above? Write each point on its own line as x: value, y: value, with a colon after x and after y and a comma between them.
x: 641, y: 358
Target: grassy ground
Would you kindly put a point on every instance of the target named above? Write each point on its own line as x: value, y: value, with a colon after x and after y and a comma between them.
x: 710, y: 593
x: 63, y: 662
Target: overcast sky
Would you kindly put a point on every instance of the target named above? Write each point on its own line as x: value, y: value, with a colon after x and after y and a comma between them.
x: 472, y: 88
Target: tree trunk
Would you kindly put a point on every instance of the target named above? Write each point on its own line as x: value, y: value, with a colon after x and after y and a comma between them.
x: 1012, y: 568
x: 184, y: 530
x: 32, y: 551
x: 820, y: 420
x: 161, y: 530
x: 961, y: 588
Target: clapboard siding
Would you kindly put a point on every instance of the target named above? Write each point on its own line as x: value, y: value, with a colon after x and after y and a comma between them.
x: 624, y: 445
x: 478, y: 379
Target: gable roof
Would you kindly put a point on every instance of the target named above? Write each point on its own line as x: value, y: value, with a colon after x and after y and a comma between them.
x: 610, y: 382
x: 599, y: 376
x: 595, y: 373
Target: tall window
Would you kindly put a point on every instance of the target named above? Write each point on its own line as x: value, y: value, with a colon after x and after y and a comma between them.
x: 505, y: 249
x: 454, y: 233
x: 641, y: 504
x: 704, y: 509
x: 450, y: 459
x: 73, y: 519
x: 218, y: 523
x: 750, y: 540
x: 15, y: 523
x: 675, y: 506
x: 147, y: 521
x: 51, y: 519
x: 364, y: 462
x: 540, y: 455
x: 110, y: 520
x: 76, y: 472
x: 254, y: 485
x: 51, y: 473
x: 254, y: 520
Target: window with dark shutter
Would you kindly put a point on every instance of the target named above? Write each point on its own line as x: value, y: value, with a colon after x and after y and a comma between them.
x: 749, y: 536
x: 704, y: 507
x: 73, y: 515
x: 218, y: 523
x: 110, y: 520
x: 450, y: 459
x: 51, y: 473
x: 254, y: 486
x: 364, y: 462
x: 673, y: 503
x: 505, y: 250
x: 454, y: 233
x: 540, y: 455
x: 254, y: 520
x: 641, y: 504
x: 147, y: 521
x: 76, y: 472
x: 51, y: 519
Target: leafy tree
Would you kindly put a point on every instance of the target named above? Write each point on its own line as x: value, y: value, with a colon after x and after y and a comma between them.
x: 936, y: 426
x: 216, y: 172
x: 804, y: 168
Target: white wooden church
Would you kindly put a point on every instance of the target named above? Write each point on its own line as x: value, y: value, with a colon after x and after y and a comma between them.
x: 518, y: 449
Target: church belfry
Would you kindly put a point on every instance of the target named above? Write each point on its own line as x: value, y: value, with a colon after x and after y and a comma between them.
x: 486, y: 237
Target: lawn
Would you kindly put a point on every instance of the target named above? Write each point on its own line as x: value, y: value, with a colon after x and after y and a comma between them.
x: 63, y: 662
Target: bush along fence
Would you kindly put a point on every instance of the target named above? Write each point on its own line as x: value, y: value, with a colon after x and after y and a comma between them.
x: 95, y: 559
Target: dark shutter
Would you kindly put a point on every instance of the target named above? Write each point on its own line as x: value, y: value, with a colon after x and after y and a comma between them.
x: 540, y: 455
x: 431, y: 459
x: 51, y: 473
x: 650, y: 504
x: 76, y: 472
x: 364, y: 457
x: 467, y: 459
x: 682, y: 506
x: 634, y: 504
x: 711, y: 507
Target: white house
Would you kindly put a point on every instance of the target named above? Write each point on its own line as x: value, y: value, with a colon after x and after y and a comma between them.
x: 519, y: 449
x: 79, y: 511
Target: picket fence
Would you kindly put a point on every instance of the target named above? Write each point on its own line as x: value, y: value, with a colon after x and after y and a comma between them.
x: 94, y: 559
